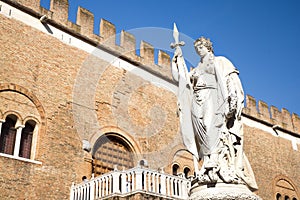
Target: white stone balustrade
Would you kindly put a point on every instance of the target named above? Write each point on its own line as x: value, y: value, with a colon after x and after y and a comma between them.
x: 135, y: 180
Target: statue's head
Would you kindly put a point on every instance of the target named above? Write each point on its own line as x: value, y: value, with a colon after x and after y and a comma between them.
x: 205, y: 42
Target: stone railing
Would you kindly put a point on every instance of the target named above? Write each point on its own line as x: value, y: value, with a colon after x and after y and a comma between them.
x: 129, y: 182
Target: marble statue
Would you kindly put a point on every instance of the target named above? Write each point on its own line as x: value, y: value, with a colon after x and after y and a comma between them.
x: 210, y: 103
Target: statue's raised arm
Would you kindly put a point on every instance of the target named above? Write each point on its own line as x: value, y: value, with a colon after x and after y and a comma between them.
x: 181, y: 75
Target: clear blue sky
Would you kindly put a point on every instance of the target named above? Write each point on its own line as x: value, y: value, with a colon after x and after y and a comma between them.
x: 260, y: 37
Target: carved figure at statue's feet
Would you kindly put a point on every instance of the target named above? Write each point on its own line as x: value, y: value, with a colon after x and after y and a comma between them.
x: 209, y: 172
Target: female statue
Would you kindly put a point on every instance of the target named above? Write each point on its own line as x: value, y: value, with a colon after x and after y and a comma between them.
x: 211, y: 100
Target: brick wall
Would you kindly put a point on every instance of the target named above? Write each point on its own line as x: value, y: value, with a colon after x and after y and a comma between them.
x: 47, y: 69
x: 42, y: 72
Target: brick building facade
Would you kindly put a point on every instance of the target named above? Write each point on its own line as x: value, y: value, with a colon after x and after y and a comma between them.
x: 75, y: 104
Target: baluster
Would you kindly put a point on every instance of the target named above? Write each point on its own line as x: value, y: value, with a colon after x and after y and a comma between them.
x: 145, y: 181
x: 102, y: 187
x: 133, y: 181
x: 153, y: 182
x: 157, y: 182
x: 109, y: 185
x: 96, y: 188
x: 129, y: 181
x: 123, y: 180
x: 176, y: 187
x: 179, y: 183
x: 106, y: 185
x: 167, y: 186
x: 149, y: 182
x: 86, y: 190
x: 163, y: 184
x: 172, y: 186
x: 80, y: 192
x: 72, y: 187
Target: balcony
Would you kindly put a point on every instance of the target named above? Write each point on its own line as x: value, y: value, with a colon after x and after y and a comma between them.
x: 137, y: 180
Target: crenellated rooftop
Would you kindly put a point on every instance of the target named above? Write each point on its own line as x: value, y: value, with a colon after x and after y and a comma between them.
x: 84, y: 29
x: 271, y: 115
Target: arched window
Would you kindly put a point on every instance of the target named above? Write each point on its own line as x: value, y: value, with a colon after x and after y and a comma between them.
x: 186, y: 172
x: 278, y: 196
x: 8, y: 135
x: 26, y: 139
x: 285, y: 188
x: 110, y: 151
x: 175, y: 169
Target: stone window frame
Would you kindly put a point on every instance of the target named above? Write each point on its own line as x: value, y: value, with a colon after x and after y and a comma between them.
x: 177, y: 172
x: 41, y: 123
x: 280, y: 193
x: 187, y: 174
x: 19, y: 126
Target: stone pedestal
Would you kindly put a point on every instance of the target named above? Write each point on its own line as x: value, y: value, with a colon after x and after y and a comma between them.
x: 222, y: 191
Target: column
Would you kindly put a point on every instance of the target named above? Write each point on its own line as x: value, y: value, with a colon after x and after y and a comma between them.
x: 18, y: 140
x: 1, y: 122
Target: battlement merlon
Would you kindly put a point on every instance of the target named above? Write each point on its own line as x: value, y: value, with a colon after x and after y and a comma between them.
x: 271, y: 116
x: 147, y: 52
x: 60, y: 10
x: 128, y: 42
x: 85, y: 19
x: 31, y: 4
x: 108, y: 32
